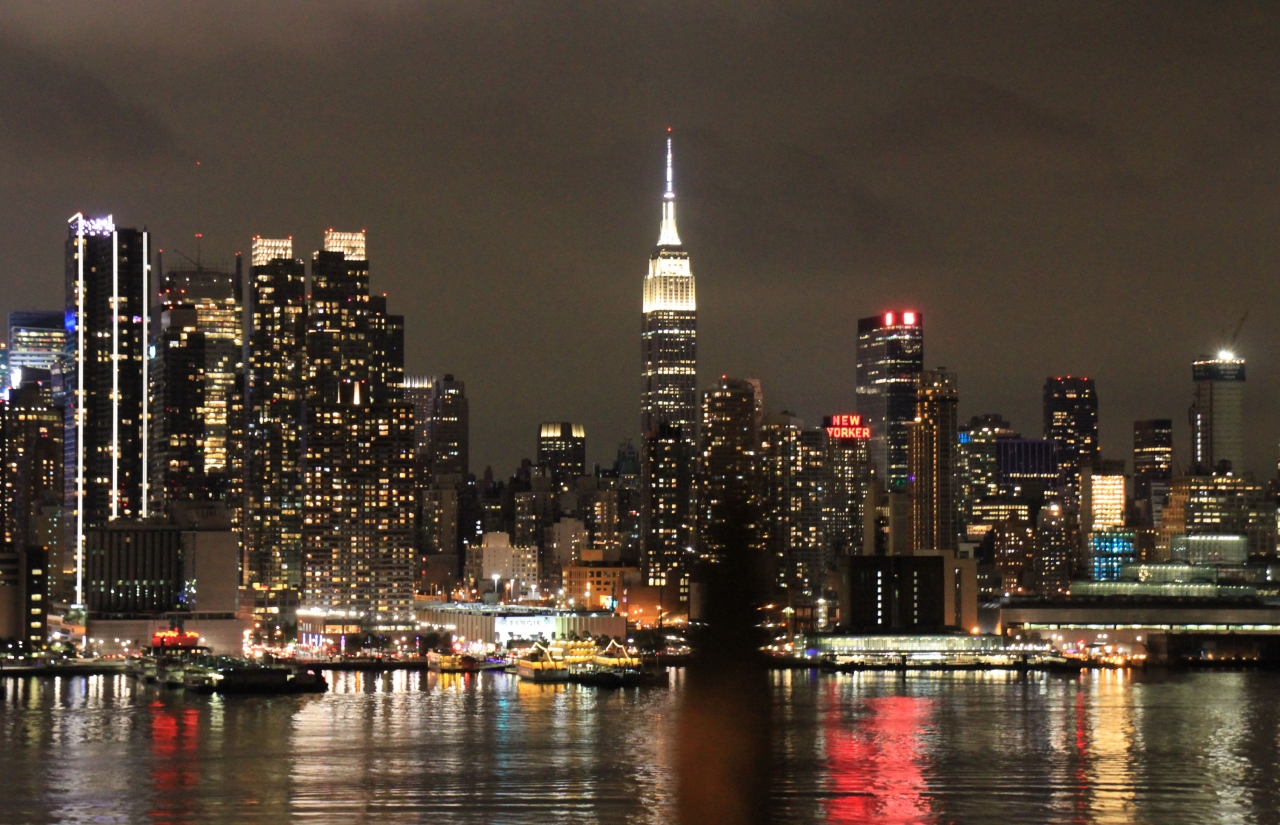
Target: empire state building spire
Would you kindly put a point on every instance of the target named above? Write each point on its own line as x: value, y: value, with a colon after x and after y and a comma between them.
x: 669, y: 236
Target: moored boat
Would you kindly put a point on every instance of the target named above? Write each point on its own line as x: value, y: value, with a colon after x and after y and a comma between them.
x: 540, y: 665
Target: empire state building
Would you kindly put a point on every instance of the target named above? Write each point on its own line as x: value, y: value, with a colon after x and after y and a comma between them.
x: 668, y: 404
x: 670, y: 331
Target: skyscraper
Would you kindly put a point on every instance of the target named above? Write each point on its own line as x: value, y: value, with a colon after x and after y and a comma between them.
x: 359, y: 482
x: 849, y: 482
x: 562, y: 452
x: 729, y: 478
x: 668, y: 399
x: 197, y: 397
x: 276, y: 391
x: 669, y: 354
x: 1217, y: 413
x: 793, y: 459
x: 1071, y: 420
x: 358, y: 530
x: 977, y: 473
x: 447, y: 426
x: 1152, y: 467
x: 890, y: 356
x: 666, y: 517
x: 102, y: 383
x: 933, y: 444
x: 339, y: 349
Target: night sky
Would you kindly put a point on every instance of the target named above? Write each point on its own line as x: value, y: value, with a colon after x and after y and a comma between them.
x: 1060, y: 188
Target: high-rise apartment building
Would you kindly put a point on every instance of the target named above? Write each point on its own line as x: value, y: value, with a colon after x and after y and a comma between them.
x: 358, y: 529
x: 1053, y: 551
x: 796, y: 482
x: 729, y: 478
x: 102, y: 383
x: 849, y: 482
x: 933, y: 447
x: 197, y: 389
x: 890, y: 357
x: 33, y: 460
x: 359, y: 523
x: 666, y: 505
x: 562, y: 453
x: 1071, y: 421
x: 1217, y: 414
x: 275, y: 395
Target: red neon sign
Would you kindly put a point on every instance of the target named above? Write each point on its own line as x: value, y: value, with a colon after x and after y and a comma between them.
x: 846, y: 427
x: 909, y: 318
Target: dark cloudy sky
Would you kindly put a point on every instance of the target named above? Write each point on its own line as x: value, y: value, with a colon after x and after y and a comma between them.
x: 1060, y: 188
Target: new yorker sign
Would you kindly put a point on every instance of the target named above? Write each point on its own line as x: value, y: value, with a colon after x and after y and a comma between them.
x: 846, y: 427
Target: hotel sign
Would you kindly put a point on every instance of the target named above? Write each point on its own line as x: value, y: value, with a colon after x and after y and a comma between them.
x: 846, y: 427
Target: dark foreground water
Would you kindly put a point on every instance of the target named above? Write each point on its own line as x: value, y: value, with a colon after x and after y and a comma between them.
x: 401, y: 747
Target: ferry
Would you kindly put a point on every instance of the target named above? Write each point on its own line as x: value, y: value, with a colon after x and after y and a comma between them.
x: 452, y: 662
x: 539, y: 664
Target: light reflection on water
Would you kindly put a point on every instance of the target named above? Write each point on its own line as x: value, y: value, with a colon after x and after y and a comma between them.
x: 1107, y: 747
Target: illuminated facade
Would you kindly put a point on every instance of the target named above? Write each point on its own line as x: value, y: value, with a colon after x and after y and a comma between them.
x: 358, y: 525
x: 101, y: 383
x: 1102, y: 498
x: 1217, y: 414
x: 197, y: 397
x: 1071, y: 421
x: 933, y: 446
x: 276, y: 391
x: 1106, y: 551
x: 562, y: 452
x: 890, y: 356
x: 37, y: 340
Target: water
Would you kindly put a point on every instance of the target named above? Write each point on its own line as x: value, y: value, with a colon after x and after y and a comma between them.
x: 401, y: 747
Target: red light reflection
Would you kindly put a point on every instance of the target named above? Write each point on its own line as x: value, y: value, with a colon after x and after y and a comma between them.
x: 874, y: 762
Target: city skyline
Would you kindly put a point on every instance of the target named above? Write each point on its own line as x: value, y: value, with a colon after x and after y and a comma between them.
x: 791, y: 232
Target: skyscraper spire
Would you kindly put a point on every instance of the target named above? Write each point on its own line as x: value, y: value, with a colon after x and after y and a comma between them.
x: 669, y: 236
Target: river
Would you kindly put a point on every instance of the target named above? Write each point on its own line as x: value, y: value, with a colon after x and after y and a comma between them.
x: 401, y: 747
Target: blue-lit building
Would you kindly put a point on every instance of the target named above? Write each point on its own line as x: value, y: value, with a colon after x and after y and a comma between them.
x: 1107, y: 551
